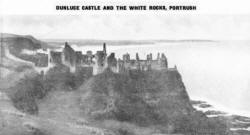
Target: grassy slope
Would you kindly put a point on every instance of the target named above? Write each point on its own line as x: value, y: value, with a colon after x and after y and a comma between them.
x: 146, y: 101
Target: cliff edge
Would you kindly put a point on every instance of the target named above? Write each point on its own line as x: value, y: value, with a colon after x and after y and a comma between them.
x: 147, y: 99
x: 23, y: 47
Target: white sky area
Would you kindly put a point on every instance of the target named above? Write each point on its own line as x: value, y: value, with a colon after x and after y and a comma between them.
x: 129, y: 26
x: 214, y: 19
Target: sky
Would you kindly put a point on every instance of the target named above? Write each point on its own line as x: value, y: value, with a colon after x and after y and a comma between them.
x: 130, y: 26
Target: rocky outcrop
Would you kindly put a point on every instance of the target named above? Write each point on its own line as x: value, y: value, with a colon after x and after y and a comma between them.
x: 146, y: 99
x: 17, y: 44
x: 135, y: 102
x: 238, y: 125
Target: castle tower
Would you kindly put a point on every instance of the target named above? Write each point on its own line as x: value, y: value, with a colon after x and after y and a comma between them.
x: 137, y: 57
x: 112, y: 62
x: 120, y: 65
x: 126, y: 57
x: 100, y: 61
x: 90, y: 57
x: 164, y: 61
x: 138, y: 65
x: 104, y: 49
x: 149, y: 61
x: 50, y: 64
x: 149, y: 57
x: 66, y: 44
x: 69, y: 57
x: 158, y: 58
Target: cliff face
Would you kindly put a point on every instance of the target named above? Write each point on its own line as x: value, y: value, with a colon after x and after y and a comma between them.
x: 17, y: 43
x: 123, y: 96
x: 145, y: 99
x: 136, y: 103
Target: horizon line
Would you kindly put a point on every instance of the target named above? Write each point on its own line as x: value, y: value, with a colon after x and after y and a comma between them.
x: 133, y: 40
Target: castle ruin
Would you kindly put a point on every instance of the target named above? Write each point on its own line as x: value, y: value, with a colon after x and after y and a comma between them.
x: 101, y: 60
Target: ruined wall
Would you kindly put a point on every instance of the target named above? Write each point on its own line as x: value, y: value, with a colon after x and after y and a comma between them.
x: 69, y: 57
x: 55, y: 57
x: 112, y: 62
x: 41, y: 60
x: 100, y: 62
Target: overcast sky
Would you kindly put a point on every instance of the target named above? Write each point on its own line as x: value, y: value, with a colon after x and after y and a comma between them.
x: 137, y: 26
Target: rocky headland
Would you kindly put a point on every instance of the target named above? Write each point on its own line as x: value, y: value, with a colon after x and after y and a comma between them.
x: 131, y: 103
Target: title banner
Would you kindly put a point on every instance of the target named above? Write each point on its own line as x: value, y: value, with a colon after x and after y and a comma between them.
x: 28, y: 7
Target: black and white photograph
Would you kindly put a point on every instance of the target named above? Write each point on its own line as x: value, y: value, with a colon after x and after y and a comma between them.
x: 147, y: 73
